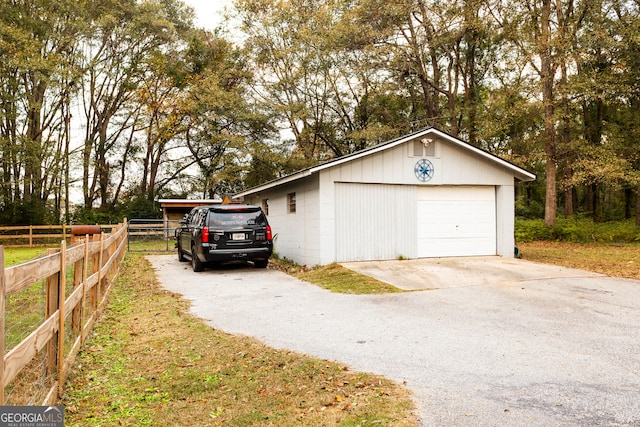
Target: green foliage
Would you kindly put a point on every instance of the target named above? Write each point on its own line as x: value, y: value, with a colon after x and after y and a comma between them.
x: 530, y: 200
x: 138, y: 206
x: 84, y: 215
x: 583, y: 230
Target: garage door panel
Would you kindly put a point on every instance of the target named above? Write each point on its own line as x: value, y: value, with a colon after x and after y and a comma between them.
x: 374, y: 221
x: 456, y: 231
x: 453, y: 247
x: 434, y: 213
x: 456, y: 221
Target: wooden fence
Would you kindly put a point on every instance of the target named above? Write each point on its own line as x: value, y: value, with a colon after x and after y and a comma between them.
x: 77, y: 279
x: 31, y: 235
x: 140, y: 230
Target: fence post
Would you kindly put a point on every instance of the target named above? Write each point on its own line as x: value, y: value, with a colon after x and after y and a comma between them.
x: 100, y: 274
x: 125, y: 235
x: 85, y: 276
x: 62, y: 295
x: 108, y: 251
x: 51, y: 305
x: 78, y: 274
x: 30, y: 235
x: 95, y: 268
x: 3, y: 292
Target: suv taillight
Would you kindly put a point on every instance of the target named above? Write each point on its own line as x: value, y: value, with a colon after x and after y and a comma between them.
x: 269, y: 235
x: 205, y: 235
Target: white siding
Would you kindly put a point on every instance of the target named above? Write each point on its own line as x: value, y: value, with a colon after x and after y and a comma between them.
x: 456, y: 221
x: 505, y: 220
x: 296, y: 234
x: 374, y: 221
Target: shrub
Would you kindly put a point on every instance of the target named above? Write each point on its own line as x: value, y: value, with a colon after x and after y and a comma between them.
x: 577, y: 230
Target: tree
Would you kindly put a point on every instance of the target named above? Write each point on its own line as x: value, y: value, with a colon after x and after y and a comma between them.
x: 545, y: 33
x: 39, y: 39
x: 221, y: 123
x: 314, y: 68
x: 118, y: 56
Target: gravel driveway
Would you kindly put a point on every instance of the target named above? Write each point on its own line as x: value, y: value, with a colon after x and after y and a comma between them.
x: 523, y: 350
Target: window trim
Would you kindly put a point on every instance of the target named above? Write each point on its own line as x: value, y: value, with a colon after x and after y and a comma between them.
x: 427, y: 149
x: 291, y: 203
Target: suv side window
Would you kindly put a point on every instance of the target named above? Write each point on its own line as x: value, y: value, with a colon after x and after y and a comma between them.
x: 199, y: 217
x: 191, y: 217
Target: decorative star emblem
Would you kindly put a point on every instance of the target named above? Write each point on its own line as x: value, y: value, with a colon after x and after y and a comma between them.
x: 423, y: 170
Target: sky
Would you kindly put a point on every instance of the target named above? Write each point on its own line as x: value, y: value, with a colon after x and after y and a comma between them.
x: 208, y: 12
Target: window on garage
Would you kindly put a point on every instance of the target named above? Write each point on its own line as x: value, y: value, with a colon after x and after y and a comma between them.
x: 265, y: 206
x: 424, y: 147
x: 291, y: 202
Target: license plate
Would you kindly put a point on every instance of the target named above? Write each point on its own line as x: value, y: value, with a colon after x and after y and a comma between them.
x: 237, y: 236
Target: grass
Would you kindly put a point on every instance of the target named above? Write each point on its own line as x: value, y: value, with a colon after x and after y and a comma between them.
x: 150, y: 363
x: 18, y: 255
x: 24, y: 310
x: 621, y: 260
x: 336, y: 278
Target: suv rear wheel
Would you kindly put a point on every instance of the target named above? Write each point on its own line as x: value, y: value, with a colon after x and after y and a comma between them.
x: 195, y: 261
x: 261, y: 263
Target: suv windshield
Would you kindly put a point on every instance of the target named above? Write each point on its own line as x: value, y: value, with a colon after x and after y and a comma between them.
x: 237, y: 218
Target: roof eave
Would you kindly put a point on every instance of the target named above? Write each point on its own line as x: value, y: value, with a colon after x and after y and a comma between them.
x: 518, y: 172
x: 289, y: 178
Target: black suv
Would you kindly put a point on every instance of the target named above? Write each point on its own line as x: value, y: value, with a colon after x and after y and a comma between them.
x: 222, y: 233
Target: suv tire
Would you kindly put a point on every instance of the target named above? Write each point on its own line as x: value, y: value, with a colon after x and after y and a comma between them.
x: 197, y: 265
x: 261, y: 263
x: 181, y: 257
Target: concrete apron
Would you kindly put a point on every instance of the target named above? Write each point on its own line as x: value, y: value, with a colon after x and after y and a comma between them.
x: 440, y: 273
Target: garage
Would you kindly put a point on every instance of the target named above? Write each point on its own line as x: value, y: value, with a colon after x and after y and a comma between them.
x: 426, y: 194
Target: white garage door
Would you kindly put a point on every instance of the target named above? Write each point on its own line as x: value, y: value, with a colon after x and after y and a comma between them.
x: 375, y: 221
x: 456, y: 221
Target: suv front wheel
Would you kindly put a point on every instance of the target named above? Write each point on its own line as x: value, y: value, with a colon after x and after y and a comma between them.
x: 195, y: 261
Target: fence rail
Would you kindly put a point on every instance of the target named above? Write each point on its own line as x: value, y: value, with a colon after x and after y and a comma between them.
x: 31, y: 235
x: 77, y: 280
x: 161, y: 231
x: 139, y: 231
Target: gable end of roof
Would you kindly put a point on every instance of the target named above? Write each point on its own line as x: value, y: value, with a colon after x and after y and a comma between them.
x: 518, y: 172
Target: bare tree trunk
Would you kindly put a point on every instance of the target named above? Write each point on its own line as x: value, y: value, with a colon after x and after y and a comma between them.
x: 638, y: 206
x: 547, y: 75
x: 569, y: 208
x: 628, y: 203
